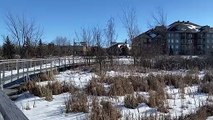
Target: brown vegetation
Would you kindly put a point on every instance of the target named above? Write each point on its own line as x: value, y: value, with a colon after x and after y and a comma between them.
x: 104, y: 111
x: 132, y: 101
x: 78, y: 102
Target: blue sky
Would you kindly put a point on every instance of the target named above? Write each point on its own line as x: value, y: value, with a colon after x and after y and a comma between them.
x: 64, y: 17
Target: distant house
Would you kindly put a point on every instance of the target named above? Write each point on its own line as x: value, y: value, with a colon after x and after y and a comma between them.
x: 186, y: 38
x: 179, y: 38
x: 119, y: 49
x: 150, y: 41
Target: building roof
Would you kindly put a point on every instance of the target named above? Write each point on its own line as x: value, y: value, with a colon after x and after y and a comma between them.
x: 184, y: 26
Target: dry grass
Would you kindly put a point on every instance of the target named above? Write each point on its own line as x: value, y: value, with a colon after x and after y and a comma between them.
x: 121, y: 87
x: 208, y: 77
x: 48, y: 94
x: 132, y: 101
x: 201, y: 114
x: 157, y: 100
x: 78, y: 102
x: 155, y: 83
x: 56, y: 87
x: 95, y: 88
x: 139, y: 83
x: 207, y: 87
x: 104, y: 111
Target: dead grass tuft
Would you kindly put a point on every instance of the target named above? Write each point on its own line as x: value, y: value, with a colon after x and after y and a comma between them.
x: 139, y: 83
x: 132, y: 101
x: 77, y: 103
x: 121, y: 87
x: 157, y: 100
x: 104, y: 111
x: 95, y: 88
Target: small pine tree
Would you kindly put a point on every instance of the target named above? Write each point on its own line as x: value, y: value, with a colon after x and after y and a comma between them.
x: 27, y: 50
x: 8, y: 49
x: 40, y: 49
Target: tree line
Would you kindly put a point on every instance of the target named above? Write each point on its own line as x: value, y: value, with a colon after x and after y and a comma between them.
x: 24, y: 39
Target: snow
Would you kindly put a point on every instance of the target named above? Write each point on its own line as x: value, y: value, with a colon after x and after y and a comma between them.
x: 179, y: 104
x: 78, y: 78
x: 41, y: 109
x: 193, y: 27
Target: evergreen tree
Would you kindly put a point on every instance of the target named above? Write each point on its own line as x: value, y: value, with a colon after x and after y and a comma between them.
x: 40, y: 52
x: 27, y: 49
x: 8, y: 49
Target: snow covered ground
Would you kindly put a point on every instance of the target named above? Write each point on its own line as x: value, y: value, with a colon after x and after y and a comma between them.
x: 44, y: 110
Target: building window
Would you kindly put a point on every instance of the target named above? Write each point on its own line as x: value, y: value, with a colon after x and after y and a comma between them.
x: 172, y: 46
x: 207, y: 41
x: 207, y: 47
x: 208, y: 35
x: 168, y: 35
x: 168, y: 40
x: 172, y: 40
x: 177, y: 46
x: 177, y: 41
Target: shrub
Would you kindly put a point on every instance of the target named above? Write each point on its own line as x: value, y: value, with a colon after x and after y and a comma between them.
x: 77, y: 103
x: 68, y: 87
x: 174, y: 80
x: 139, y: 83
x: 96, y: 112
x: 190, y: 79
x: 104, y: 111
x: 154, y: 82
x: 95, y: 88
x: 157, y: 100
x: 44, y: 77
x: 56, y: 87
x: 207, y: 87
x: 132, y: 101
x: 120, y: 87
x: 48, y: 94
x: 201, y: 114
x: 109, y: 112
x: 208, y: 77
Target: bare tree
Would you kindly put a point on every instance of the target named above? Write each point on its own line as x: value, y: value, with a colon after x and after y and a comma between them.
x: 62, y: 45
x: 129, y: 21
x: 159, y: 18
x: 98, y: 50
x: 111, y: 37
x: 22, y: 29
x: 97, y: 36
x: 110, y: 32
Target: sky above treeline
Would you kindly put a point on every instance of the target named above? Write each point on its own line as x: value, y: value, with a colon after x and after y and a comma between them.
x: 67, y: 17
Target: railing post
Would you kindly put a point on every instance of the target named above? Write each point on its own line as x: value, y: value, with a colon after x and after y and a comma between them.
x: 11, y: 76
x: 28, y: 65
x: 65, y: 64
x: 23, y: 65
x: 40, y: 66
x: 1, y: 83
x: 17, y: 67
x: 3, y: 76
x: 34, y: 65
x: 46, y: 65
x: 51, y: 65
x: 59, y: 62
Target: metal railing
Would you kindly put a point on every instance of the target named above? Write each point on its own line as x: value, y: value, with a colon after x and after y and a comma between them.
x: 11, y: 70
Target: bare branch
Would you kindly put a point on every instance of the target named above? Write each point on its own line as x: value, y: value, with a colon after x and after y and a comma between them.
x: 129, y: 21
